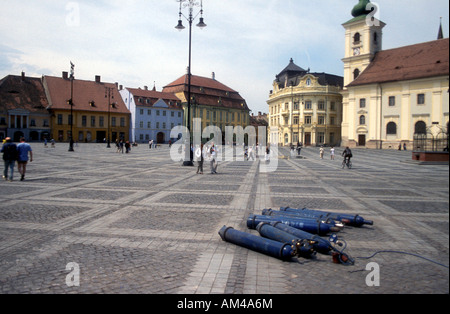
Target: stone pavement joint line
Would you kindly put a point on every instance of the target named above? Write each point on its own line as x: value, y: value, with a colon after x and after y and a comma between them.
x: 141, y: 223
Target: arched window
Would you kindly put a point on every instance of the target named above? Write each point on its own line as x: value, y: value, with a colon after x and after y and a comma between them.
x: 391, y: 128
x: 357, y: 38
x: 420, y: 128
x: 356, y: 74
x: 362, y: 120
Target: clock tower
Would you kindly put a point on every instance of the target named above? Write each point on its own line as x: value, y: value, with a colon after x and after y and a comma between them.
x: 363, y: 39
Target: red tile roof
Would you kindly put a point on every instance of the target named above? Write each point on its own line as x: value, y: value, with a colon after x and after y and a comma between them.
x: 23, y: 92
x: 208, y: 91
x: 153, y: 97
x: 418, y: 61
x: 84, y: 92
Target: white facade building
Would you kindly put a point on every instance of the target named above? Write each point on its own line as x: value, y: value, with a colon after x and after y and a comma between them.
x: 153, y: 114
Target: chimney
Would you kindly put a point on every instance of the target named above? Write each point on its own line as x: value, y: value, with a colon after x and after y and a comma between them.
x: 65, y: 75
x: 97, y: 78
x: 23, y: 76
x: 213, y: 76
x: 120, y: 87
x: 146, y: 87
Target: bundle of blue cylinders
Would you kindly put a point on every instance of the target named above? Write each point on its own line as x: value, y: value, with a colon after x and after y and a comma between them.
x: 314, y: 226
x: 351, y: 220
x: 266, y: 246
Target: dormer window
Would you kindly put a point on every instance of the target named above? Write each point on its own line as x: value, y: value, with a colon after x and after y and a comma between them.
x: 308, y: 82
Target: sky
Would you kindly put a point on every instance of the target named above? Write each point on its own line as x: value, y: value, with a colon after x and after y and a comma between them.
x: 246, y: 42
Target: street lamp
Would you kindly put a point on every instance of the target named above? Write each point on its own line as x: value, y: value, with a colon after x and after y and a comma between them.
x: 190, y: 4
x: 72, y: 77
x: 109, y: 93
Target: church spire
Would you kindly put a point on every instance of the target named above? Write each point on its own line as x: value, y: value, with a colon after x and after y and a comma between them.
x: 361, y: 8
x: 440, y: 33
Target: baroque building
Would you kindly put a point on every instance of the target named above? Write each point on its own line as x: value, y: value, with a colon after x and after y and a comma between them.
x: 213, y: 102
x: 305, y: 107
x: 390, y: 95
x: 23, y: 108
x: 97, y: 114
x: 153, y: 114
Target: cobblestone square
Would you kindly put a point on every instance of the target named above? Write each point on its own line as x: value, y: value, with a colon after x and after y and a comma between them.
x: 141, y: 223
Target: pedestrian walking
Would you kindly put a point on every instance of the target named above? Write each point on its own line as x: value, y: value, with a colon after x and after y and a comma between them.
x: 213, y: 159
x: 332, y: 152
x: 200, y: 159
x: 321, y: 151
x: 23, y: 150
x: 9, y: 150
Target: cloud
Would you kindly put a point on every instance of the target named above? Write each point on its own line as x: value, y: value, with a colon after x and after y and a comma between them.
x: 246, y: 43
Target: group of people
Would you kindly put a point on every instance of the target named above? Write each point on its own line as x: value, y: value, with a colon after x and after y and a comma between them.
x: 121, y: 144
x: 211, y: 153
x: 12, y: 153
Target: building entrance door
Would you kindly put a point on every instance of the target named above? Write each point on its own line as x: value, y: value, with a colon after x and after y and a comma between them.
x: 307, y: 139
x: 361, y: 140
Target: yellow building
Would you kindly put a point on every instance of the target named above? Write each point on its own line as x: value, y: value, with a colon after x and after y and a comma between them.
x: 215, y: 103
x: 99, y: 112
x: 390, y: 95
x: 305, y: 107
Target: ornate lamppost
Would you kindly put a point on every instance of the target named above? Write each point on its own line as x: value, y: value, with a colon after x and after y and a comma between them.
x: 109, y: 93
x: 190, y: 4
x: 72, y: 77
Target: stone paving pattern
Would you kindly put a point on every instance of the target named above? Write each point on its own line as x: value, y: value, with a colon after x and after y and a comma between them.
x: 140, y: 223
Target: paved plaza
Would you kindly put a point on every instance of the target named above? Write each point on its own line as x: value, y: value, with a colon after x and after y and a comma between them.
x: 141, y: 223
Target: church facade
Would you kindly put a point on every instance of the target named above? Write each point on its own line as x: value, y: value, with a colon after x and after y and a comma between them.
x: 391, y: 95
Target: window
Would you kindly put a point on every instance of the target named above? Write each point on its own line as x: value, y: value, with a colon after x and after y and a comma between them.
x: 141, y: 124
x: 321, y: 138
x: 356, y: 74
x: 391, y: 101
x: 308, y: 105
x: 391, y: 128
x: 332, y: 105
x: 420, y: 128
x: 308, y: 82
x: 141, y: 111
x: 101, y: 121
x: 421, y: 99
x: 157, y: 112
x: 83, y: 121
x: 45, y: 123
x: 92, y: 120
x: 60, y: 119
x: 307, y: 119
x: 332, y: 120
x: 321, y: 105
x: 295, y: 120
x: 122, y: 122
x: 356, y: 38
x: 362, y: 120
x: 149, y: 112
x: 164, y: 125
x: 362, y: 103
x: 164, y: 113
x: 113, y: 121
x: 296, y: 105
x: 149, y: 125
x: 321, y: 120
x: 172, y: 114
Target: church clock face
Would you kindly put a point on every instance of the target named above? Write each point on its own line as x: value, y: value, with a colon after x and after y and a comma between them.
x: 356, y: 51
